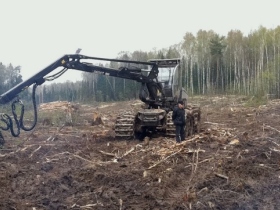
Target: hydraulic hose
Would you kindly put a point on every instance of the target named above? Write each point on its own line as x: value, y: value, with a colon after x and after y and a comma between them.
x: 7, y: 120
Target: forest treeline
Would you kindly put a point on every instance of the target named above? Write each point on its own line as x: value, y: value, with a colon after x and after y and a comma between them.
x: 210, y: 64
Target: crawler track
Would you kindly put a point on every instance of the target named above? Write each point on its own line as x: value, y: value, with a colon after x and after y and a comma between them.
x: 124, y: 126
x: 170, y: 127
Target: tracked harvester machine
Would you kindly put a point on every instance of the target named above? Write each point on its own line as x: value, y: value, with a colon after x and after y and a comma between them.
x: 160, y: 93
x: 160, y: 90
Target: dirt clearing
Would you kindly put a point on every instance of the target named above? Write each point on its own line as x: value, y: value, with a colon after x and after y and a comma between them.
x: 234, y: 163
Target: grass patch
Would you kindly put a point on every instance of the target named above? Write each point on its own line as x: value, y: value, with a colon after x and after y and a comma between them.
x: 256, y: 101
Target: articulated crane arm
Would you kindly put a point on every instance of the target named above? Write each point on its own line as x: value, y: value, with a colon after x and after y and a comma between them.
x: 73, y: 61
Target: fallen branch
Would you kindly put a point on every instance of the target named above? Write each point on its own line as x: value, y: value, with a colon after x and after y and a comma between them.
x: 128, y: 152
x: 52, y: 138
x: 222, y: 176
x: 84, y: 159
x: 200, y: 162
x: 267, y: 126
x: 77, y: 156
x: 121, y: 203
x: 196, y: 163
x: 264, y: 166
x: 221, y: 191
x: 211, y: 123
x: 23, y: 149
x: 31, y: 145
x: 49, y: 160
x: 239, y: 155
x: 164, y: 159
x: 274, y: 149
x: 274, y: 142
x: 202, y: 190
x: 107, y: 153
x: 41, y: 144
x: 35, y: 151
x: 206, y: 160
x: 27, y: 138
x: 88, y: 206
x: 195, y: 151
x: 190, y: 140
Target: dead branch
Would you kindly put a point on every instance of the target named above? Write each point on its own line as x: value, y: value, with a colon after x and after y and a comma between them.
x: 50, y: 160
x: 31, y: 145
x: 116, y: 158
x: 264, y: 166
x: 107, y: 153
x: 212, y: 123
x: 274, y: 142
x: 52, y: 138
x: 196, y: 163
x: 274, y: 149
x: 239, y: 156
x: 27, y: 138
x: 267, y: 126
x: 164, y: 159
x: 192, y: 165
x: 88, y: 206
x: 206, y: 160
x: 84, y: 159
x: 202, y: 190
x: 195, y: 151
x: 41, y: 144
x: 121, y: 203
x: 128, y: 152
x: 23, y: 149
x: 222, y: 176
x: 190, y: 140
x: 35, y: 151
x: 77, y: 156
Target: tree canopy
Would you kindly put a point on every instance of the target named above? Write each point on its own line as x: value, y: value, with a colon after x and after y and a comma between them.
x: 210, y: 63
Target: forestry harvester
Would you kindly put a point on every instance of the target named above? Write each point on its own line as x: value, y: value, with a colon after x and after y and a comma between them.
x: 160, y: 91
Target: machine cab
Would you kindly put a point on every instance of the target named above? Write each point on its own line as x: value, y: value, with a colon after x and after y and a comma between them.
x: 168, y: 76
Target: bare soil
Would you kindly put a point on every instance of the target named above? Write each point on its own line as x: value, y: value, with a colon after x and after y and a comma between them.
x: 234, y: 163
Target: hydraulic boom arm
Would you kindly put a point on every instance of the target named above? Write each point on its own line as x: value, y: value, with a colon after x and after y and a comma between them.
x: 73, y: 61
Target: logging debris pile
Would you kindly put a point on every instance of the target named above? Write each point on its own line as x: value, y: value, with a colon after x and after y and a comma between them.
x: 234, y: 163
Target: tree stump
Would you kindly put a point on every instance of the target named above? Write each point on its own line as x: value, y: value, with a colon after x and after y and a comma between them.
x: 96, y: 119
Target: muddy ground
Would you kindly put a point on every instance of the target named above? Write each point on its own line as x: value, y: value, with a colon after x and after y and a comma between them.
x: 234, y: 163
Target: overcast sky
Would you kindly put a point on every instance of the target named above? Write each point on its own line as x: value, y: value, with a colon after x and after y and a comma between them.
x: 35, y: 33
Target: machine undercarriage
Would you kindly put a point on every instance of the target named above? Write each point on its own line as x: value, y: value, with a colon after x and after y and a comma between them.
x: 128, y: 125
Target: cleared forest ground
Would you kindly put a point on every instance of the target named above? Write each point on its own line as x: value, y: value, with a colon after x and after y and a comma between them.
x: 234, y: 163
